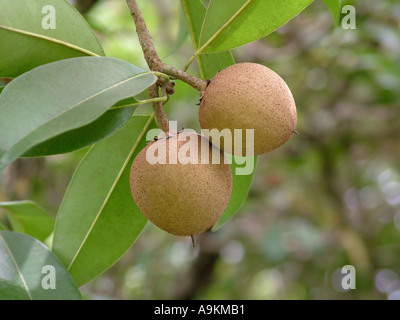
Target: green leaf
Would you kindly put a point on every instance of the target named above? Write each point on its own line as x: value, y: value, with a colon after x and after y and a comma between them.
x: 98, y: 219
x: 27, y: 217
x: 335, y: 7
x: 195, y: 12
x: 23, y: 270
x: 241, y: 187
x: 43, y: 103
x: 229, y: 24
x: 2, y: 227
x: 25, y: 44
x: 72, y: 140
x: 209, y: 64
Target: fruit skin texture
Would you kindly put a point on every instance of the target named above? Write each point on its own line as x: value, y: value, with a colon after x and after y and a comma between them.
x: 182, y: 199
x: 249, y: 96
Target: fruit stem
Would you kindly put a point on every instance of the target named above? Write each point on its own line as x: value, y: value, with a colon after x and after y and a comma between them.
x: 193, y: 242
x: 150, y: 53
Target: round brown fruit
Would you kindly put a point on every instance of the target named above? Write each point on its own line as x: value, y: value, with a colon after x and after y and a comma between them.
x: 182, y: 199
x: 248, y: 96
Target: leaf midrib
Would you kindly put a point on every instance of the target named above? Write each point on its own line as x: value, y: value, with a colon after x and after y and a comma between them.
x: 16, y: 266
x: 53, y: 40
x: 221, y: 29
x: 72, y: 107
x: 111, y: 189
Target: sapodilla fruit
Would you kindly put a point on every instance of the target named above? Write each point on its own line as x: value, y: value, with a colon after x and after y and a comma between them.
x: 178, y: 187
x: 248, y: 96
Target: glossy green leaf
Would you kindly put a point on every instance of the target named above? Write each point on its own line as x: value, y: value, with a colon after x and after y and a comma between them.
x: 25, y: 44
x: 232, y: 23
x: 27, y: 217
x: 195, y: 12
x: 210, y: 64
x: 241, y: 187
x: 101, y: 128
x: 98, y: 219
x: 335, y: 7
x: 2, y: 227
x: 43, y: 103
x: 26, y: 268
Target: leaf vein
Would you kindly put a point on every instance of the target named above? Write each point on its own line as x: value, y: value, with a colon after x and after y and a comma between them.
x: 43, y: 37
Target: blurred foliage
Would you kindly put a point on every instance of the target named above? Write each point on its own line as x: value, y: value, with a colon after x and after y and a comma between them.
x: 328, y: 198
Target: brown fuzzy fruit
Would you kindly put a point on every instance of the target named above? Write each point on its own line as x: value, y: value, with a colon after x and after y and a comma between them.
x: 249, y: 96
x: 182, y: 199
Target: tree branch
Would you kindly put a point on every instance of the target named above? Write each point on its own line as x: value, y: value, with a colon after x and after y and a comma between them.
x: 150, y: 53
x: 191, y: 80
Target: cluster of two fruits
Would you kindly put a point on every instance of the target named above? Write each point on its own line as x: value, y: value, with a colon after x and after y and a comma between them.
x: 187, y: 199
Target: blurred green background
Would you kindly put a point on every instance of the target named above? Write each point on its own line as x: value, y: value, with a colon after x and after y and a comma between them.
x: 328, y: 198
